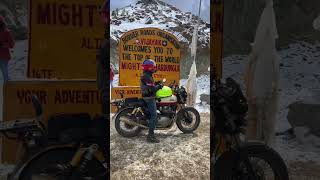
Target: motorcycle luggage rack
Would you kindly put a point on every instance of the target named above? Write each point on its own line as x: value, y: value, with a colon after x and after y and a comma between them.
x: 17, y: 127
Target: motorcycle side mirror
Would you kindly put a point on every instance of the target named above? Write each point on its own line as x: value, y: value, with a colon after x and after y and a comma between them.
x: 121, y: 94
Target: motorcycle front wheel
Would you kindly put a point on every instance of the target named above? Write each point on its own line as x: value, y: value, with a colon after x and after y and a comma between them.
x: 188, y: 119
x: 54, y: 165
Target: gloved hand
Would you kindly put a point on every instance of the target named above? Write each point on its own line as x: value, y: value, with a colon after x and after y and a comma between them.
x: 159, y: 86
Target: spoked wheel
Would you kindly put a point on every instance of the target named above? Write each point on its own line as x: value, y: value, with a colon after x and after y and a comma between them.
x: 125, y: 129
x: 188, y: 119
x: 255, y: 169
x: 52, y: 165
x: 255, y: 161
x: 50, y: 173
x: 55, y: 165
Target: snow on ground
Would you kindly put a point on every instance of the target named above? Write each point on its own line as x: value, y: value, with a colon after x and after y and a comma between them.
x: 299, y: 79
x: 18, y: 65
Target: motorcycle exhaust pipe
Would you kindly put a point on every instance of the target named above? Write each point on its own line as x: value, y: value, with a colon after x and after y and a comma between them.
x: 128, y: 121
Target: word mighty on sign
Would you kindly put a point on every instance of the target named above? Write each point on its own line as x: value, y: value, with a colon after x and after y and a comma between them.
x: 67, y: 14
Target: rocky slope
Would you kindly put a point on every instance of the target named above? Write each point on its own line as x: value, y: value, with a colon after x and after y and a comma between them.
x: 155, y: 13
x: 15, y: 13
x: 295, y: 22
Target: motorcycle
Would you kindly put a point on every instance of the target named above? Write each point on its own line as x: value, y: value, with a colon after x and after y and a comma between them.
x: 119, y: 103
x: 232, y: 156
x: 171, y: 109
x: 73, y: 153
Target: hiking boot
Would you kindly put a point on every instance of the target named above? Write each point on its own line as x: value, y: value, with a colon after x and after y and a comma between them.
x: 152, y: 139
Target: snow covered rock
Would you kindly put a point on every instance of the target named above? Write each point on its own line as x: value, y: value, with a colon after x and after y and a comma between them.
x: 316, y: 23
x: 205, y: 98
x: 16, y: 14
x: 305, y: 114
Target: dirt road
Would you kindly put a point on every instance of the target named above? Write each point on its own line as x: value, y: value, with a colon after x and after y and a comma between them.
x: 177, y: 156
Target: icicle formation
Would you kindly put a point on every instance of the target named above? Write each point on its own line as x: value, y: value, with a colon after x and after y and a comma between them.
x: 191, y: 85
x: 262, y: 77
x: 194, y: 42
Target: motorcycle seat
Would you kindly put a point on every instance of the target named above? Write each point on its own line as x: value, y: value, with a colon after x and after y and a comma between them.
x: 61, y: 122
x: 96, y: 131
x: 135, y: 101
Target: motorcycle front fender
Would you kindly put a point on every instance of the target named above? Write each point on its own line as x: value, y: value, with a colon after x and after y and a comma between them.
x: 123, y: 109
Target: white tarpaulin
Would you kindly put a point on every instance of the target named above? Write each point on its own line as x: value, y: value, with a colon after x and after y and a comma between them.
x: 194, y: 42
x: 191, y: 86
x: 262, y: 77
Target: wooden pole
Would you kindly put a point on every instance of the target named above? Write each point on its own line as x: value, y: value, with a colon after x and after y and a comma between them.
x: 216, y: 41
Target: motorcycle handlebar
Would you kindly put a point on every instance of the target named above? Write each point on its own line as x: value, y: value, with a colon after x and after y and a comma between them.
x: 37, y: 105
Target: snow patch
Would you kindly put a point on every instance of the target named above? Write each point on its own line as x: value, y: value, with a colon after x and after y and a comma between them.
x: 299, y: 80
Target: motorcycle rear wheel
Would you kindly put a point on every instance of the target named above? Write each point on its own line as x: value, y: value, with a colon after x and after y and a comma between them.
x: 124, y: 129
x: 242, y: 164
x: 49, y: 165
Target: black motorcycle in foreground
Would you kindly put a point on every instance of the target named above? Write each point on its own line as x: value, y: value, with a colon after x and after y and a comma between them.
x: 233, y: 158
x: 71, y: 147
x: 171, y: 109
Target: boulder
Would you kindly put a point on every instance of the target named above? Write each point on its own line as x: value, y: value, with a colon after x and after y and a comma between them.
x: 305, y: 114
x: 205, y: 98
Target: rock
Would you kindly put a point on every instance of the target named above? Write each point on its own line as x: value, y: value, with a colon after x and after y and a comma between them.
x: 178, y: 16
x: 305, y: 137
x: 149, y: 21
x: 236, y: 17
x: 205, y: 98
x: 305, y: 114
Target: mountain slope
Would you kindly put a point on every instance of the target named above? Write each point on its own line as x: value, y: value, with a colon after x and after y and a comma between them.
x: 155, y: 13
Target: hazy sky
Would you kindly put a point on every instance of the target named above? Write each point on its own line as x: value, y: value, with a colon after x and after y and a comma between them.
x: 184, y: 5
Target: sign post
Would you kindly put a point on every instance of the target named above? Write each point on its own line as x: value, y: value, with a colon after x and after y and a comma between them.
x: 72, y: 96
x: 148, y: 43
x: 64, y: 38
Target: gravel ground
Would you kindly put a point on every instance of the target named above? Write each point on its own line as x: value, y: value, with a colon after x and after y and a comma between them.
x: 177, y: 156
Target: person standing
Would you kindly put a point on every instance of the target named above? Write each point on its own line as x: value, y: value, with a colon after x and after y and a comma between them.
x: 111, y: 75
x: 6, y: 42
x: 149, y: 89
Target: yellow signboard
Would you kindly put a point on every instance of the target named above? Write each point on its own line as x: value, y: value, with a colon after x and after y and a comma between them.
x: 64, y: 38
x: 132, y: 91
x: 55, y: 96
x: 216, y: 37
x: 148, y: 43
